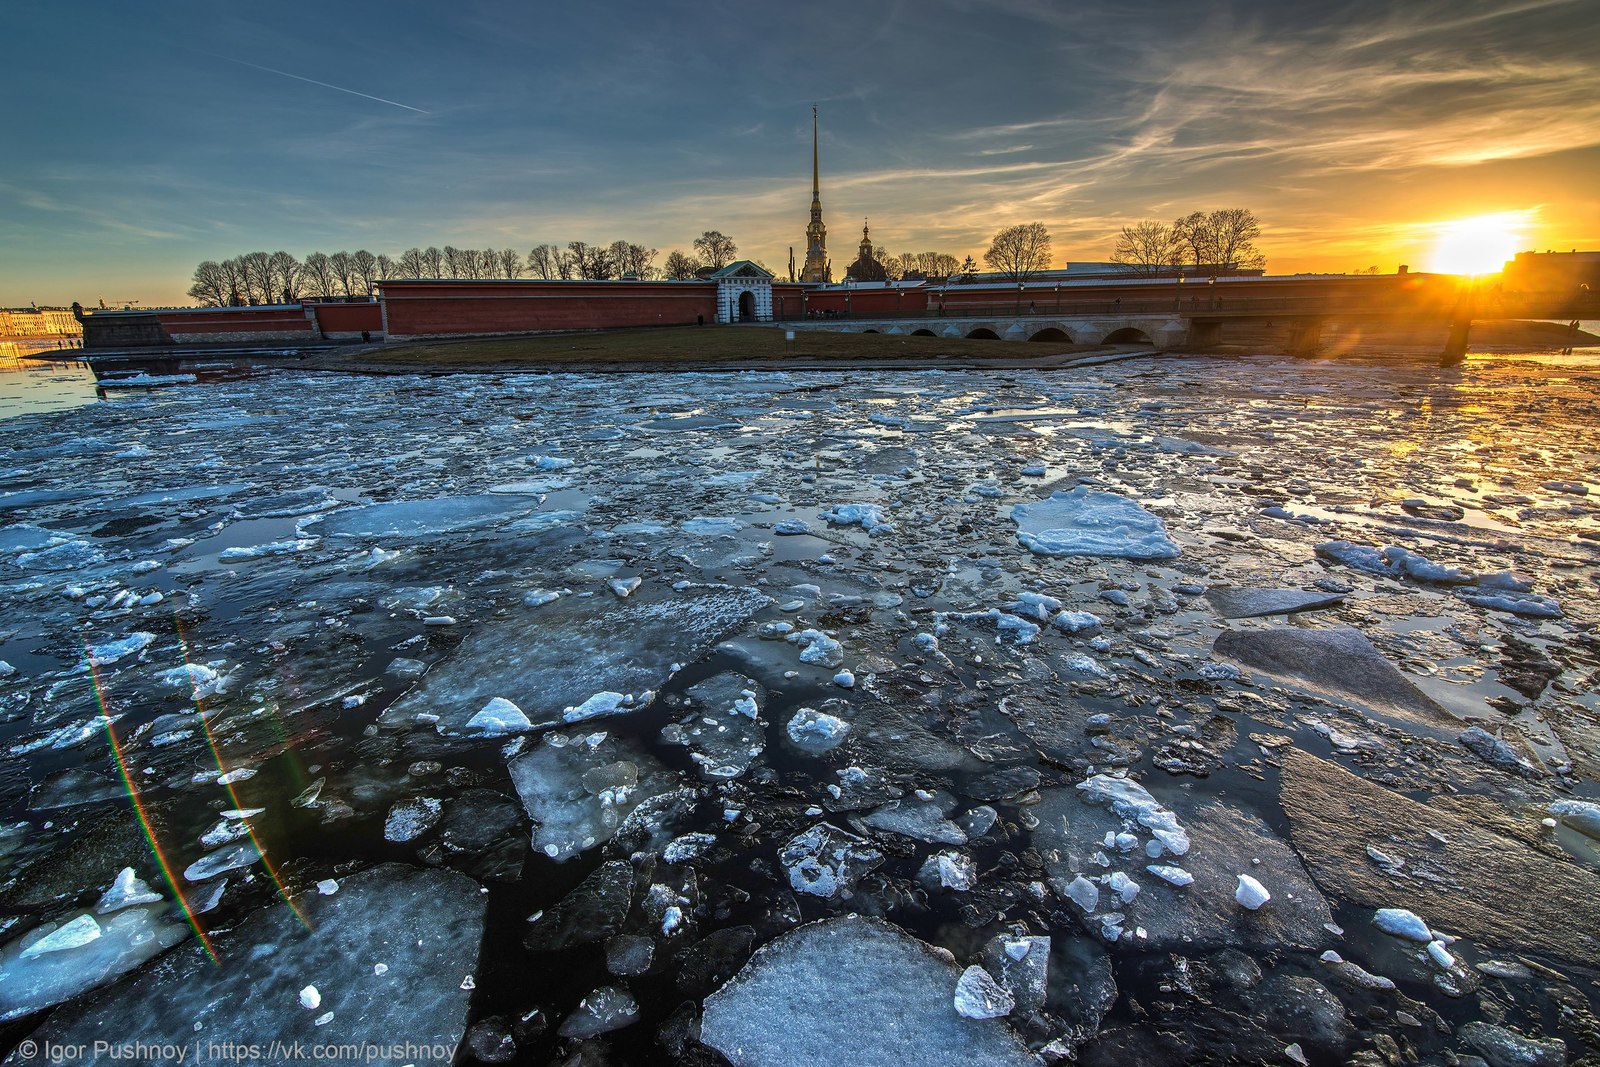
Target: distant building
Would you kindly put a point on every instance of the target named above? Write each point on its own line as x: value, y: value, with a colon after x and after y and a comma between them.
x: 866, y: 268
x: 38, y: 322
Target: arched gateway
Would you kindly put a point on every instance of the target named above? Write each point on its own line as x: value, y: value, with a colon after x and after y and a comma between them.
x: 744, y: 293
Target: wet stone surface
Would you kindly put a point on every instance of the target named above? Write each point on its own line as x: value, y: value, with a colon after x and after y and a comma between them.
x: 1114, y: 713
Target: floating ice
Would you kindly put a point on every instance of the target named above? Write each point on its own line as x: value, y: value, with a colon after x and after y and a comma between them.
x: 1581, y: 815
x: 221, y: 861
x: 784, y: 1007
x: 869, y: 517
x: 108, y: 652
x: 1079, y: 522
x: 425, y: 518
x: 50, y: 964
x: 1131, y: 800
x: 1402, y: 923
x: 1171, y: 875
x: 979, y: 996
x: 1251, y: 894
x: 498, y: 718
x: 602, y: 1011
x: 560, y: 655
x: 712, y: 526
x: 819, y: 649
x: 825, y: 861
x: 579, y: 788
x: 127, y: 890
x: 424, y: 926
x: 816, y: 731
x: 244, y: 553
x: 410, y: 819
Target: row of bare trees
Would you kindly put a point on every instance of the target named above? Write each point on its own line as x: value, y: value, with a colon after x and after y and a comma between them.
x: 271, y: 277
x: 1222, y: 240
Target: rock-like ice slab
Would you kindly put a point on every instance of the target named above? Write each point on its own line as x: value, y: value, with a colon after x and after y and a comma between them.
x: 548, y: 659
x: 825, y: 860
x: 854, y: 990
x: 578, y: 788
x: 423, y: 927
x: 1081, y: 522
x: 1339, y: 660
x: 424, y: 518
x: 1238, y: 603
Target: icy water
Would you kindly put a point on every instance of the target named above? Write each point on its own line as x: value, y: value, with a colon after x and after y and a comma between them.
x: 766, y: 718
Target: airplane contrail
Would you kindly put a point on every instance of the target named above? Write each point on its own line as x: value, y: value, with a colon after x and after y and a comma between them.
x: 325, y: 85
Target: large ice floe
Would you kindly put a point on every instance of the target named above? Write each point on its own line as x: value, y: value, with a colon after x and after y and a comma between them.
x: 554, y: 661
x: 389, y: 956
x: 853, y: 987
x: 1085, y: 522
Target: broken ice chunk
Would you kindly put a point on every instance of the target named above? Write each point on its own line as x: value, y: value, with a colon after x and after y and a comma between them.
x: 579, y: 788
x: 825, y: 861
x: 816, y: 731
x: 819, y: 649
x: 226, y: 859
x: 1171, y: 875
x: 607, y: 1008
x: 1251, y: 894
x: 1079, y: 522
x: 1582, y: 815
x: 1131, y: 800
x: 1084, y: 893
x: 1399, y: 922
x: 126, y: 891
x: 979, y: 996
x: 75, y: 934
x: 802, y: 1000
x: 949, y: 870
x: 410, y: 819
x: 497, y: 718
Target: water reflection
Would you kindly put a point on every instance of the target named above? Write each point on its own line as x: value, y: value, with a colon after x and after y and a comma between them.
x: 34, y: 385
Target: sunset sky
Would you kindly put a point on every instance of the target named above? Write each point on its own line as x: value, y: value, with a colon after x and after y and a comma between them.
x: 144, y: 138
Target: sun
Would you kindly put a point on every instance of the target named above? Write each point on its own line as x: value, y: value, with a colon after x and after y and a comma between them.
x: 1479, y: 245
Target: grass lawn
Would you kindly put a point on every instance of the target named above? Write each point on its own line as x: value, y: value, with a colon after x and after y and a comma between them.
x: 692, y: 344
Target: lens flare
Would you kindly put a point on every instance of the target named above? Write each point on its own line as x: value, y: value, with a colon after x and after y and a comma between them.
x: 222, y: 770
x: 138, y: 807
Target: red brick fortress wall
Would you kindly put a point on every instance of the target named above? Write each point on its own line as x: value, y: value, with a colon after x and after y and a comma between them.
x: 415, y: 309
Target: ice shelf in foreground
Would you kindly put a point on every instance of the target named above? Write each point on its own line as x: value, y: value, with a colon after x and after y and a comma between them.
x: 851, y: 989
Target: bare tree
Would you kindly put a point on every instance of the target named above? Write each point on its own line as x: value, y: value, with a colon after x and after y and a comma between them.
x: 318, y: 275
x: 1149, y: 248
x: 210, y: 288
x: 285, y: 270
x: 364, y: 271
x: 432, y: 262
x: 344, y: 269
x: 385, y: 268
x: 256, y: 268
x: 680, y: 267
x: 542, y: 261
x: 1221, y: 240
x: 452, y: 261
x: 716, y: 249
x: 1019, y: 252
x: 590, y: 261
x: 233, y: 280
x: 411, y: 264
x: 510, y: 263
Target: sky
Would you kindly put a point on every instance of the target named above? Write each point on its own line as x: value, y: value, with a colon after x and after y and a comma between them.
x: 144, y: 138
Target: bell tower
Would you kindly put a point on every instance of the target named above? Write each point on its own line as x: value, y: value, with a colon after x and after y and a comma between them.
x: 816, y: 267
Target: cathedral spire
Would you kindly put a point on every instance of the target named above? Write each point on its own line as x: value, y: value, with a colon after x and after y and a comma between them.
x: 816, y: 267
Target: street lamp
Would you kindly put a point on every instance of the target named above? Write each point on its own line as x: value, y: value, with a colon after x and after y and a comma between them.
x: 1177, y: 300
x: 1019, y: 298
x: 1211, y: 288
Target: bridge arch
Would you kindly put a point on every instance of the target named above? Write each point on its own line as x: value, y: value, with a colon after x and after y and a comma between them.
x: 869, y: 329
x: 1051, y: 333
x: 983, y: 333
x: 922, y: 333
x: 1128, y: 335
